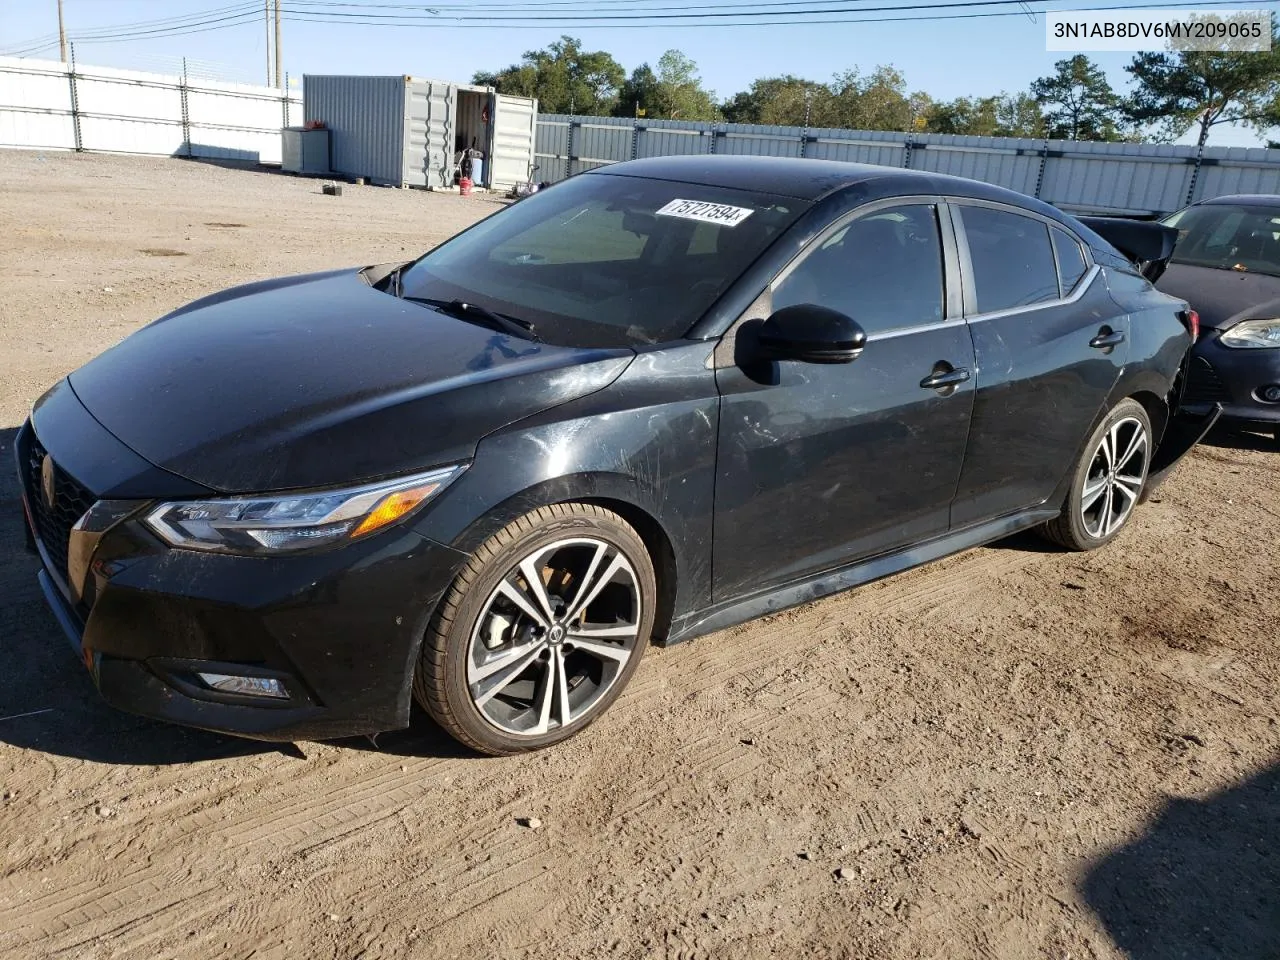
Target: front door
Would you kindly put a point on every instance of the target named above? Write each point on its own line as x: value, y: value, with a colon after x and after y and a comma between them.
x: 1049, y: 349
x: 819, y: 465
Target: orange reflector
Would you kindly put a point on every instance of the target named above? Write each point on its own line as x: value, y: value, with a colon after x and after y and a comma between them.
x: 393, y: 507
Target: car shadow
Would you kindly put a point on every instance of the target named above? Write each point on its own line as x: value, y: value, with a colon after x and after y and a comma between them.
x: 1237, y: 438
x: 1202, y: 880
x: 1028, y: 541
x: 423, y: 738
x: 48, y: 703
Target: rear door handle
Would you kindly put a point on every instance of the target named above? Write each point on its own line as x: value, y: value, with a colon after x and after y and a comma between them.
x: 950, y: 378
x: 1104, y: 341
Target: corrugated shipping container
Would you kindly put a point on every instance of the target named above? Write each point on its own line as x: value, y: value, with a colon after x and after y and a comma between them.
x: 410, y: 132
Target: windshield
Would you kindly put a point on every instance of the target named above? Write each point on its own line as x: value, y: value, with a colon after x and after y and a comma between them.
x: 604, y: 260
x: 1229, y: 237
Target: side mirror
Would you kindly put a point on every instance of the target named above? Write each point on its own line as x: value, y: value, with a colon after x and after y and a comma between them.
x: 811, y: 334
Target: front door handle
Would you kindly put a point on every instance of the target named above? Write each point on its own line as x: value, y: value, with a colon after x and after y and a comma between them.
x: 946, y: 378
x: 1106, y: 339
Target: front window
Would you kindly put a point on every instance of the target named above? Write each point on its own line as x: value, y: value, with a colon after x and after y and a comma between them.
x: 1228, y: 236
x: 606, y: 260
x: 884, y: 270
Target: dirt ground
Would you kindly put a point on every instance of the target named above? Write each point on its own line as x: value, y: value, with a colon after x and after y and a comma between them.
x: 1015, y: 752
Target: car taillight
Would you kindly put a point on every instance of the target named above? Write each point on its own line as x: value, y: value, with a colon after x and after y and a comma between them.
x: 1191, y: 320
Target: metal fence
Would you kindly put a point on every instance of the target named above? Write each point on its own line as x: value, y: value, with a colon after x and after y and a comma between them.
x: 48, y: 104
x: 1124, y: 178
x: 54, y: 105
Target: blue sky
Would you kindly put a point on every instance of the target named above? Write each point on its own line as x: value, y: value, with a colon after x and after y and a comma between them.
x: 946, y: 58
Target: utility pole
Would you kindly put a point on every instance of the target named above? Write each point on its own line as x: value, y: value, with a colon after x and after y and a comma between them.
x: 266, y: 19
x: 62, y: 35
x: 279, y: 74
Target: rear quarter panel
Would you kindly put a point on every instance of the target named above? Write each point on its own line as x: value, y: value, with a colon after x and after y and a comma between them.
x: 1158, y: 341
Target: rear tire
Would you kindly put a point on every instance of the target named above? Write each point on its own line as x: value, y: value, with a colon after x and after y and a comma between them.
x: 540, y: 632
x: 1108, y: 482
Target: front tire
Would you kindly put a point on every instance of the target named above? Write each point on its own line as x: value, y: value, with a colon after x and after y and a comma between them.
x: 540, y: 631
x: 1108, y: 481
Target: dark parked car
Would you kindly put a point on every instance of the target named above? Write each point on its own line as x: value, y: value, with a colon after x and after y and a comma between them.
x: 659, y: 399
x: 1227, y: 266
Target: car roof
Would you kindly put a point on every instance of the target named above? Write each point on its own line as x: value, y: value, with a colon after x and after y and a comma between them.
x: 811, y: 180
x: 1247, y: 199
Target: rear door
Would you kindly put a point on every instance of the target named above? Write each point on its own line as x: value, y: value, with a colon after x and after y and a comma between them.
x: 1050, y: 344
x: 514, y: 126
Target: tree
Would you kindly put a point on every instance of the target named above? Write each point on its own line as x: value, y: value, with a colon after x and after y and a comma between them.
x: 641, y: 94
x: 970, y: 116
x: 786, y: 101
x: 564, y: 78
x: 1004, y: 115
x: 920, y: 105
x: 1178, y: 90
x: 680, y: 90
x: 1018, y: 115
x: 1078, y: 102
x: 878, y: 101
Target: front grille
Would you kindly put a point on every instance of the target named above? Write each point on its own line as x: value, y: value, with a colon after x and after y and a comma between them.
x: 53, y: 521
x: 1204, y: 385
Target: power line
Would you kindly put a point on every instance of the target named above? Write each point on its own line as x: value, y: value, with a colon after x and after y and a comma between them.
x: 437, y: 13
x: 720, y: 15
x: 589, y: 20
x: 145, y: 30
x: 926, y: 17
x: 140, y: 24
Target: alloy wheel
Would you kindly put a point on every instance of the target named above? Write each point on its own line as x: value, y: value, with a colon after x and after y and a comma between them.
x: 1117, y: 471
x: 553, y: 636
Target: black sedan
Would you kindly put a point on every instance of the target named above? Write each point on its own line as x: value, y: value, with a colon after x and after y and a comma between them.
x: 656, y: 400
x: 1227, y: 265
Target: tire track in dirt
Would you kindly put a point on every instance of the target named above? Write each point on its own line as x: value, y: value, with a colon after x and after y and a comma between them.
x: 287, y: 819
x: 513, y: 862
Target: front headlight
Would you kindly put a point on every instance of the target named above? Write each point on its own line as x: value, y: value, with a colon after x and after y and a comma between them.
x: 293, y: 521
x: 1253, y: 334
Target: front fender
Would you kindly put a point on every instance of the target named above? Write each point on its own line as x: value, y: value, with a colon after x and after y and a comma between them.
x: 646, y: 442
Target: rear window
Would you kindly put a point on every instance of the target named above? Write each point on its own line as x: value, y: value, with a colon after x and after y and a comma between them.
x: 1071, y: 262
x: 606, y: 260
x: 1013, y: 264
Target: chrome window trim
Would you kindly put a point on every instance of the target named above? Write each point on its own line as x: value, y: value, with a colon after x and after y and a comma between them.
x: 907, y: 331
x: 1092, y: 270
x: 1077, y: 292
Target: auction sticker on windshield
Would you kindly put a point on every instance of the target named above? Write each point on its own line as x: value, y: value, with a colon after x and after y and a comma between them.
x: 721, y: 213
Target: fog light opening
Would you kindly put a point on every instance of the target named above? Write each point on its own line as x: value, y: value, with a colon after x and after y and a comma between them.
x: 245, y: 686
x: 1270, y: 393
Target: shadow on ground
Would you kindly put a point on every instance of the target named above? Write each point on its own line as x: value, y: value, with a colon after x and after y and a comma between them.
x: 1202, y: 882
x: 1234, y: 438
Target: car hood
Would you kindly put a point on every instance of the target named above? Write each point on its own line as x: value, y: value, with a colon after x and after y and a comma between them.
x: 1221, y: 296
x: 321, y: 379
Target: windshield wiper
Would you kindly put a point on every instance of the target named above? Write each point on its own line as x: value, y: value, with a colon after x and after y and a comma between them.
x: 472, y: 311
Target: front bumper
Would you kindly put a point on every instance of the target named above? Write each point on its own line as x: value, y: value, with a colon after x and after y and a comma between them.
x: 1233, y: 378
x: 339, y: 628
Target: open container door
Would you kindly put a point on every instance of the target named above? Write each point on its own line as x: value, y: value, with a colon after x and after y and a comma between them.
x: 514, y: 124
x: 429, y: 123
